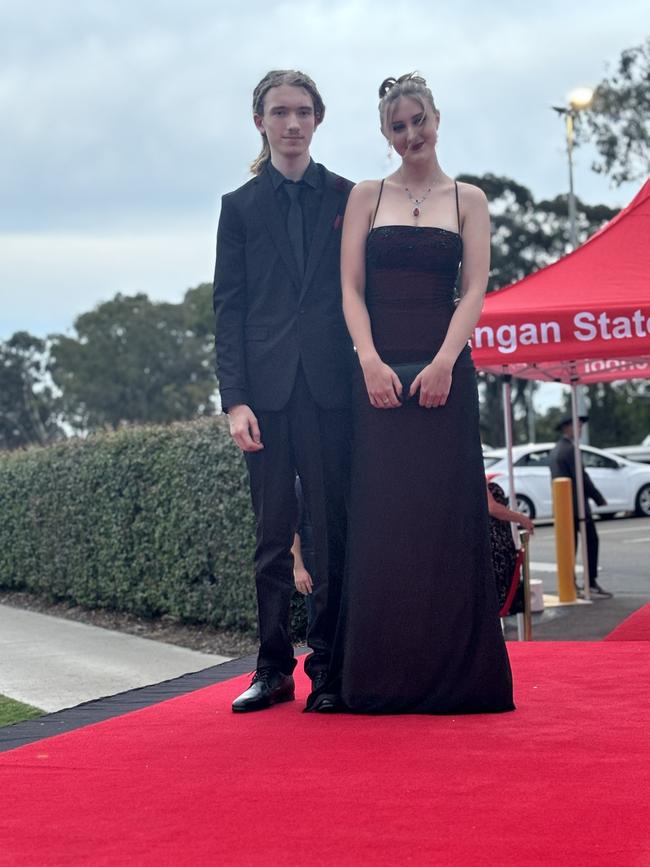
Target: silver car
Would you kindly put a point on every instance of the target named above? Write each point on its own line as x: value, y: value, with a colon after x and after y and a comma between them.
x: 624, y: 484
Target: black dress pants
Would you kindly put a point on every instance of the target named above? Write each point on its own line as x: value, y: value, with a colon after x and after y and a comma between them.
x: 592, y: 547
x: 314, y: 443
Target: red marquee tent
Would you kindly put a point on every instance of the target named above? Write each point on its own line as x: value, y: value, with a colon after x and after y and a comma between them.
x: 585, y: 318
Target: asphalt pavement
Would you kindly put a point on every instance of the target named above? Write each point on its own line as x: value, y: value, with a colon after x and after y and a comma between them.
x: 624, y: 571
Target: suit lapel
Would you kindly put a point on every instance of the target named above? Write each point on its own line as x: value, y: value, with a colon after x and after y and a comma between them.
x: 275, y: 224
x: 324, y: 228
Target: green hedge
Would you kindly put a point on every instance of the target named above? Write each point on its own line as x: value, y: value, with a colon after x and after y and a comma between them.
x: 151, y: 521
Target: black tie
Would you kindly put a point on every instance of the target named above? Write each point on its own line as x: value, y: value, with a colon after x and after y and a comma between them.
x: 294, y: 225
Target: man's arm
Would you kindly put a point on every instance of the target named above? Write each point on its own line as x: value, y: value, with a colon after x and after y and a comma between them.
x: 229, y: 302
x: 591, y: 491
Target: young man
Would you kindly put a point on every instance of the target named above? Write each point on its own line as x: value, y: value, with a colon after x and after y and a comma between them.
x: 283, y: 362
x: 562, y: 463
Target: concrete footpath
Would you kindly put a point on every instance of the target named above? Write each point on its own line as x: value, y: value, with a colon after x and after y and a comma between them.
x: 53, y: 663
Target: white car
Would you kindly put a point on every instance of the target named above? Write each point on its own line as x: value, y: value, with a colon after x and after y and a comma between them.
x: 624, y: 484
x: 634, y: 453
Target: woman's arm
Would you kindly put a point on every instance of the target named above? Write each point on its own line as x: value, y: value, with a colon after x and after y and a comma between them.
x: 435, y: 380
x: 381, y: 380
x: 503, y: 513
x: 301, y: 577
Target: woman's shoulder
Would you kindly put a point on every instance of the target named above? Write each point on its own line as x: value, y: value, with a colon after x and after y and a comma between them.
x: 367, y: 189
x: 470, y: 194
x: 365, y: 194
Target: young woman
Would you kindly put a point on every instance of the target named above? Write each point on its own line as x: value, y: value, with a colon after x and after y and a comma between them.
x: 419, y: 631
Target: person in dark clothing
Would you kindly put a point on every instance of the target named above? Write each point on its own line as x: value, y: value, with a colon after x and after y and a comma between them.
x: 504, y: 552
x: 562, y: 462
x: 283, y: 362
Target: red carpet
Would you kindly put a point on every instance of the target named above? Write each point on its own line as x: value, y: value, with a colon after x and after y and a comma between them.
x: 563, y: 780
x: 636, y: 627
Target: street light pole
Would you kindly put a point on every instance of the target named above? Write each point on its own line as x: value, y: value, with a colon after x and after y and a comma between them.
x: 578, y: 99
x: 573, y: 227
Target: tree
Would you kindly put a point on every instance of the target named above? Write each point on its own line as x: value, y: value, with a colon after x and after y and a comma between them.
x: 618, y: 122
x: 136, y: 361
x: 526, y: 235
x: 198, y: 314
x: 619, y: 413
x: 28, y: 412
x: 547, y: 423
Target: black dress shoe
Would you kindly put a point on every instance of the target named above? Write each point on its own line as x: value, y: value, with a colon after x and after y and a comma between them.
x: 267, y: 687
x: 319, y: 680
x: 324, y: 704
x: 315, y: 697
x: 597, y: 591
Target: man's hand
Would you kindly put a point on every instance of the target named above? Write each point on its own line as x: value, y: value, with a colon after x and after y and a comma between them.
x: 244, y: 428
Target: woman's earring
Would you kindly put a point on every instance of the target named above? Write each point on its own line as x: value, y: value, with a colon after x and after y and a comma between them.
x: 389, y: 154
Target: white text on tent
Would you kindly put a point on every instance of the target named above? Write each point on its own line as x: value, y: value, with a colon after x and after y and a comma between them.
x: 508, y: 337
x: 587, y: 326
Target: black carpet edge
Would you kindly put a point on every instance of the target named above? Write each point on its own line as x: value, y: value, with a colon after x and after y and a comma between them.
x: 29, y: 731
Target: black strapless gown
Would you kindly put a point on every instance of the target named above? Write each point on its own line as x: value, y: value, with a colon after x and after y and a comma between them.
x: 419, y: 629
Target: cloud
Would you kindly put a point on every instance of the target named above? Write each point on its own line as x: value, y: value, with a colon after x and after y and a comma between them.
x: 119, y: 114
x: 50, y: 278
x: 124, y: 122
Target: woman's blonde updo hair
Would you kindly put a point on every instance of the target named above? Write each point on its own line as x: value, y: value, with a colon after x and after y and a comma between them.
x: 392, y: 89
x: 276, y: 78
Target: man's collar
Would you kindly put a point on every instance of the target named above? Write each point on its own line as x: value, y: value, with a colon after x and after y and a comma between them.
x: 312, y: 176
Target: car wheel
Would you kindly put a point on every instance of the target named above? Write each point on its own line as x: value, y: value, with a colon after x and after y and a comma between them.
x: 642, y: 503
x: 525, y: 506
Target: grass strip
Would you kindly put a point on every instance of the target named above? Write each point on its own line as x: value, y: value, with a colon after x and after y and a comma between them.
x: 12, y: 711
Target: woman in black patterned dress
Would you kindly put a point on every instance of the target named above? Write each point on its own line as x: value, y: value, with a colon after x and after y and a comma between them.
x: 502, y: 544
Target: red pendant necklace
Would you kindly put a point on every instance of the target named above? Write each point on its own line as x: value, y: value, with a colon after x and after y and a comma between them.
x: 417, y: 202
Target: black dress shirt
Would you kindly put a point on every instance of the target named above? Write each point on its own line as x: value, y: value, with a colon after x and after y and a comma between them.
x: 311, y: 197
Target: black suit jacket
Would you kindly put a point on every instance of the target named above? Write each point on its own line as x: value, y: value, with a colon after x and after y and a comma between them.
x: 268, y: 318
x: 562, y: 461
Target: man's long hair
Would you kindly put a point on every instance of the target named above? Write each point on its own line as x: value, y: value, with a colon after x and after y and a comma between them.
x: 276, y: 78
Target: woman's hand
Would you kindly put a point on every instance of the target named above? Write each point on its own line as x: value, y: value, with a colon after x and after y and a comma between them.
x: 382, y: 383
x: 434, y: 382
x: 525, y: 522
x: 303, y: 580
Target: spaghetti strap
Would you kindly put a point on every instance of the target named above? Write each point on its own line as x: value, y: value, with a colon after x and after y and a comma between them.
x: 374, y: 216
x: 457, y: 208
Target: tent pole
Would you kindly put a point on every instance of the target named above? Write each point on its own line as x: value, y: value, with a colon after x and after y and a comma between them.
x: 506, y: 391
x: 506, y: 394
x: 580, y: 488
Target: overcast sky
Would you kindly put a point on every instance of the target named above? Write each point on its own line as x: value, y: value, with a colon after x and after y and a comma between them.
x: 124, y: 121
